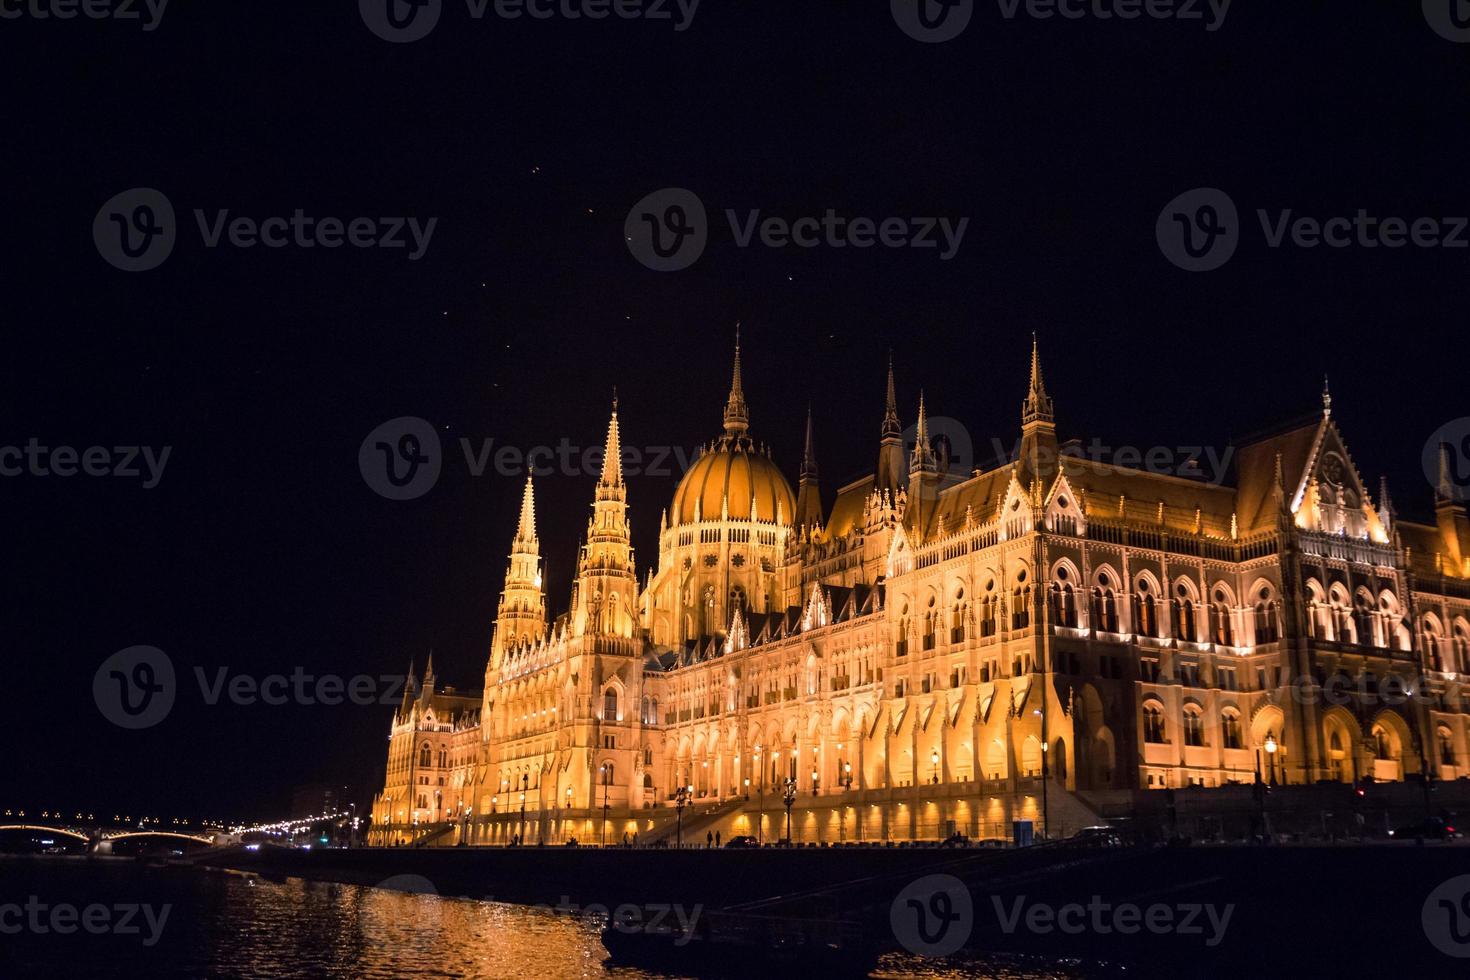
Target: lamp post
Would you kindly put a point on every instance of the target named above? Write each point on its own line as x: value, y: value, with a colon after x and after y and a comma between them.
x: 934, y: 762
x: 790, y: 797
x: 1271, y: 748
x: 525, y: 785
x: 566, y: 817
x: 1045, y: 811
x: 681, y: 800
x: 606, y: 782
x: 760, y: 820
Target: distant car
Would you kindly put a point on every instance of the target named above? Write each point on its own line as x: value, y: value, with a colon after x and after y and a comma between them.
x: 1099, y: 836
x: 1432, y: 829
x: 744, y: 840
x: 955, y: 840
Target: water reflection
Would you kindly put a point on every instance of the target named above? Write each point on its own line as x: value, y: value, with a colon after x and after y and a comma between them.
x: 233, y: 925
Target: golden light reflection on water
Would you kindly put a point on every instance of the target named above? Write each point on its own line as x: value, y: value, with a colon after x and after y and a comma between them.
x: 298, y: 928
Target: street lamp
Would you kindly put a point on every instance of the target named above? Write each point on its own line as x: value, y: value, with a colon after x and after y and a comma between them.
x: 525, y: 785
x: 789, y: 795
x: 606, y: 782
x: 681, y: 800
x: 934, y: 761
x: 1271, y: 748
x: 1045, y: 776
x: 760, y: 821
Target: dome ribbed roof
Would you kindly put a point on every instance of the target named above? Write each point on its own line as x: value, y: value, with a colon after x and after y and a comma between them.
x: 735, y: 473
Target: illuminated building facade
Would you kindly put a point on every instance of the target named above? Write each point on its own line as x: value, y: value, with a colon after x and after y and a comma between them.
x: 911, y: 661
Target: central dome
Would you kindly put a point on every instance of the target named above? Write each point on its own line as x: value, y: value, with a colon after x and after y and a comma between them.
x: 733, y: 471
x: 733, y: 474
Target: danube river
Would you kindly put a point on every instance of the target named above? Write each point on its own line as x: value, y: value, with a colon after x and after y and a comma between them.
x: 79, y: 919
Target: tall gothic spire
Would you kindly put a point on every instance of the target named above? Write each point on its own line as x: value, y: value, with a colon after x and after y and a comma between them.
x: 526, y: 529
x: 612, y: 453
x: 923, y: 458
x: 808, y: 453
x: 1326, y: 397
x: 737, y: 414
x: 891, y: 426
x: 808, y: 494
x: 891, y: 474
x: 1037, y: 407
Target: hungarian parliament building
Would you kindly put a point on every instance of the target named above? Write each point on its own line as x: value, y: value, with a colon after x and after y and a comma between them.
x: 946, y: 652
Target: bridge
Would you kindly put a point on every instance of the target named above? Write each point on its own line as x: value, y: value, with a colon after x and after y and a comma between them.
x: 100, y: 840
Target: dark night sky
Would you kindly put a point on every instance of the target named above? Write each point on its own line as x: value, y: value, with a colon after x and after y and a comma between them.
x: 262, y: 549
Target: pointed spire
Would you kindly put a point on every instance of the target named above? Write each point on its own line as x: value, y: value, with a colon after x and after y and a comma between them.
x: 808, y: 454
x: 1385, y: 502
x: 808, y: 495
x: 1444, y: 487
x: 612, y: 452
x: 1326, y: 397
x: 737, y: 414
x: 1037, y: 407
x: 891, y: 425
x: 526, y: 530
x: 923, y: 458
